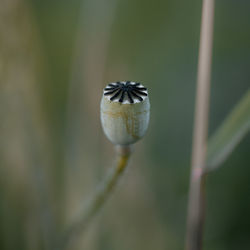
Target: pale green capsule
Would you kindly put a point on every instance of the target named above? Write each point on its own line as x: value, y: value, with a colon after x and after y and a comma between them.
x: 125, y: 112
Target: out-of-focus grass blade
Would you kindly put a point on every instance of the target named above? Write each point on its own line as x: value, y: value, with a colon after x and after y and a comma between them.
x: 229, y: 134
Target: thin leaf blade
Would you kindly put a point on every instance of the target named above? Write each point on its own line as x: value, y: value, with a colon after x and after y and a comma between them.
x: 229, y: 134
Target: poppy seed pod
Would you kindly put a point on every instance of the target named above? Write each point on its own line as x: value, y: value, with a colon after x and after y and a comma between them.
x: 125, y: 111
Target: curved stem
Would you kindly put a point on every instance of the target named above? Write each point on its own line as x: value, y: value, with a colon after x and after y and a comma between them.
x: 99, y: 198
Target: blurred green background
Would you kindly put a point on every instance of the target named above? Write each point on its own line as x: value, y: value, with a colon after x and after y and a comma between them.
x: 55, y: 58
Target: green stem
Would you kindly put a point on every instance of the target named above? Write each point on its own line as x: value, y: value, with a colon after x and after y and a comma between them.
x: 99, y: 198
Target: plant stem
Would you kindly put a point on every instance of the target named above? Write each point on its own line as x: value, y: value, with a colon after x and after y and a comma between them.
x: 196, y: 206
x: 100, y: 196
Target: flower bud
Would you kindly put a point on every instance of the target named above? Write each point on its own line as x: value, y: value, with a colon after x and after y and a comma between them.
x: 125, y: 111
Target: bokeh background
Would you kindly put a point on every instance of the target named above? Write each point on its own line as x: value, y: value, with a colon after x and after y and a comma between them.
x: 55, y: 58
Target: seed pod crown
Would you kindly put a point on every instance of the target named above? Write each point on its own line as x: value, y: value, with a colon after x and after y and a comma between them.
x: 126, y: 92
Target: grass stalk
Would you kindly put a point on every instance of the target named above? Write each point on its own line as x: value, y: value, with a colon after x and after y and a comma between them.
x: 196, y: 206
x: 98, y: 199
